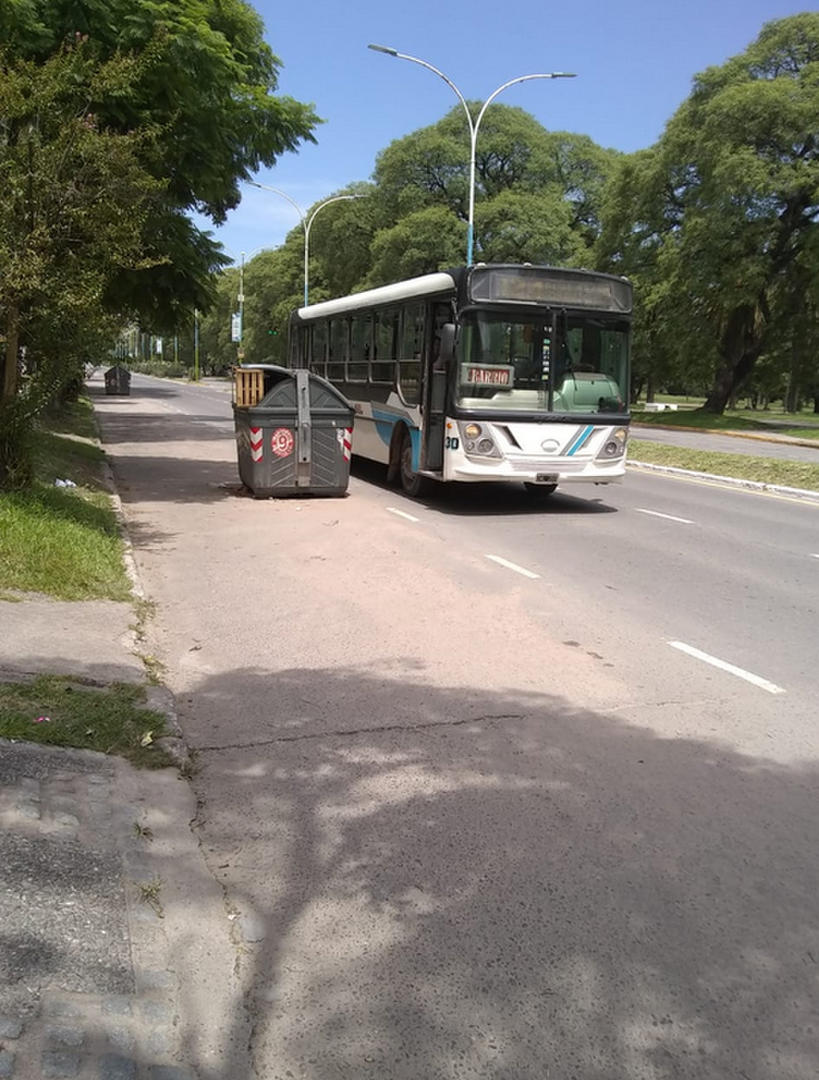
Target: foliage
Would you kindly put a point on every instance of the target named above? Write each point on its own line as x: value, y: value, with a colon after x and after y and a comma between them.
x: 514, y: 154
x: 118, y: 118
x: 717, y: 223
x: 73, y: 202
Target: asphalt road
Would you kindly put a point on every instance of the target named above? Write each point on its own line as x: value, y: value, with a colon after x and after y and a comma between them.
x: 493, y: 790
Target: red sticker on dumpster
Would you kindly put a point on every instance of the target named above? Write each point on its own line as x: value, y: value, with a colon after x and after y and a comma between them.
x: 282, y: 442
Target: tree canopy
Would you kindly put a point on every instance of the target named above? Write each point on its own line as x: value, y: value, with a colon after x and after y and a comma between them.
x: 119, y: 118
x: 718, y: 222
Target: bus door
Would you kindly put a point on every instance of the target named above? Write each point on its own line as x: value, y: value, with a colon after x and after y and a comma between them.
x: 434, y: 400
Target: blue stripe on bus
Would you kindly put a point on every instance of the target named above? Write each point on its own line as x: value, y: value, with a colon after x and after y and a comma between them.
x: 580, y: 440
x: 385, y: 424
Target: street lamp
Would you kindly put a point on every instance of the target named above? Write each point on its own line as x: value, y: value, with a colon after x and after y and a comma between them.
x: 473, y: 124
x: 240, y: 349
x: 305, y: 222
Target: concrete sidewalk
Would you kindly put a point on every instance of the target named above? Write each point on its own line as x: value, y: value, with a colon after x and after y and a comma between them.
x: 115, y: 943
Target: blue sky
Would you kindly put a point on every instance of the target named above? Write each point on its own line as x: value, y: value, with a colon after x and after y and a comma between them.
x: 635, y: 60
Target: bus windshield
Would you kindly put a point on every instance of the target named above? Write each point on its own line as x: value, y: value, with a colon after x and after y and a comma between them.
x: 572, y: 364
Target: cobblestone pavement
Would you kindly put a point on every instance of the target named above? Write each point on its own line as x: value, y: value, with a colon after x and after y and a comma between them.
x: 97, y: 868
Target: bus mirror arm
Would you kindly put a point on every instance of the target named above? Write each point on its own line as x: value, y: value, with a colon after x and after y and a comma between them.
x: 446, y: 349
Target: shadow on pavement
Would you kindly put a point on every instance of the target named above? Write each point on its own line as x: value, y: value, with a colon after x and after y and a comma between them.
x: 487, y: 500
x: 503, y: 887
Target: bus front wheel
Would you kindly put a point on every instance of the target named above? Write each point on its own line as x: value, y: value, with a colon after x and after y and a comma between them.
x: 414, y: 485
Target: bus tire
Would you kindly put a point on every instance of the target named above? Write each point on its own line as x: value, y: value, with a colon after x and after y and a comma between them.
x: 540, y: 491
x: 414, y: 485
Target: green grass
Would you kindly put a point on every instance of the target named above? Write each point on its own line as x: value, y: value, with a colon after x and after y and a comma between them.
x: 796, y: 474
x: 63, y: 542
x: 111, y: 719
x: 726, y: 422
x: 774, y: 419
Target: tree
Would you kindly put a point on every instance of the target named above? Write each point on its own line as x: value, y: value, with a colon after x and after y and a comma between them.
x: 514, y: 154
x: 153, y: 109
x: 73, y: 202
x: 420, y: 243
x: 730, y: 198
x: 209, y: 95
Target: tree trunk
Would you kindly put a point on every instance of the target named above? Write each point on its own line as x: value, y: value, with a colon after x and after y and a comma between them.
x: 12, y: 353
x: 739, y: 347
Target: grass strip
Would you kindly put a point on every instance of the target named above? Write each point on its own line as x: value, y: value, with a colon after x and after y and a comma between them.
x: 61, y: 711
x: 701, y: 421
x: 795, y: 474
x: 63, y: 541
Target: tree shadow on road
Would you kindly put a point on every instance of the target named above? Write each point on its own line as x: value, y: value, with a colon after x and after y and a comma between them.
x: 511, y: 888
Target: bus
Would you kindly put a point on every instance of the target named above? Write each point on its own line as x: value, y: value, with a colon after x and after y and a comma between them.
x: 491, y: 372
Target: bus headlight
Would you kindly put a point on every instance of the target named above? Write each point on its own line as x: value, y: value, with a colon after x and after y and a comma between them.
x: 615, y: 444
x: 477, y: 442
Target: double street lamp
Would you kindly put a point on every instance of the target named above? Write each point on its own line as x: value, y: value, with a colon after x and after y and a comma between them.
x: 306, y: 223
x: 473, y: 124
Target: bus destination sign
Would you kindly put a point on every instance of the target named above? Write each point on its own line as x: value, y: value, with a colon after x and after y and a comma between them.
x: 488, y: 376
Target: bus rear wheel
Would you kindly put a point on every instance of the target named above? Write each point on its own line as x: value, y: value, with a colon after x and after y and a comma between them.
x: 414, y: 485
x: 540, y: 491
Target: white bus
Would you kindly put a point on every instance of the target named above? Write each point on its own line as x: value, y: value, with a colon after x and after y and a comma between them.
x: 488, y: 372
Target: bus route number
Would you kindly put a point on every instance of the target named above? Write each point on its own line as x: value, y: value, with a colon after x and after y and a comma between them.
x: 452, y: 442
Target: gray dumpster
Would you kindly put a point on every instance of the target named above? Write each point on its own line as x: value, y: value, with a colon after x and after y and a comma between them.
x: 296, y: 439
x: 118, y: 380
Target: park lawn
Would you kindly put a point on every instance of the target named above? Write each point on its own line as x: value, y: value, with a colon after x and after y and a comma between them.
x: 794, y: 474
x: 63, y: 541
x: 797, y: 425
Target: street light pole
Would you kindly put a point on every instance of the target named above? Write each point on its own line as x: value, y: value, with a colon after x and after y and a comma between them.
x: 473, y: 124
x: 306, y: 223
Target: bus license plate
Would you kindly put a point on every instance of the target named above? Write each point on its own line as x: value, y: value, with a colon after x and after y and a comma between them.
x: 546, y: 478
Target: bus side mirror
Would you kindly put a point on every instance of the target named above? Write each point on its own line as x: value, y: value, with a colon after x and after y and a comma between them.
x: 447, y: 347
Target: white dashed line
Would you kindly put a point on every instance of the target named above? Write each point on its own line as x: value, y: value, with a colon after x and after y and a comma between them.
x: 814, y: 556
x: 512, y: 566
x: 668, y: 517
x: 740, y: 673
x: 402, y: 513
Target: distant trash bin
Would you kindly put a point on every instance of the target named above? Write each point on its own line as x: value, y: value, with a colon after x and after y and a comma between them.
x: 118, y: 380
x: 293, y: 432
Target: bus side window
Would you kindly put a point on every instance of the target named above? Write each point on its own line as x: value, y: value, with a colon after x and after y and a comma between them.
x: 411, y: 352
x: 358, y: 368
x: 318, y: 353
x: 382, y: 369
x: 337, y: 350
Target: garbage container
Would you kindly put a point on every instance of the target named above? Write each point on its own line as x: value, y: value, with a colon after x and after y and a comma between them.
x: 118, y: 380
x: 293, y: 432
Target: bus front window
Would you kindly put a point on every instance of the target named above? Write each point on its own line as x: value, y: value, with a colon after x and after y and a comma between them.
x: 503, y: 364
x: 581, y: 367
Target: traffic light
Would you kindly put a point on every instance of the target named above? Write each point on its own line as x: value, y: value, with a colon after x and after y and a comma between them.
x: 274, y: 331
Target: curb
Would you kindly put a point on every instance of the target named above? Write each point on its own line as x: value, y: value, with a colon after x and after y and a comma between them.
x: 783, y: 440
x: 733, y: 481
x: 159, y: 697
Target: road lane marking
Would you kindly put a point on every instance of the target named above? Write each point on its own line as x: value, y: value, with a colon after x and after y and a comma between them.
x: 741, y: 673
x: 513, y: 566
x: 668, y: 517
x: 813, y: 556
x: 402, y: 513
